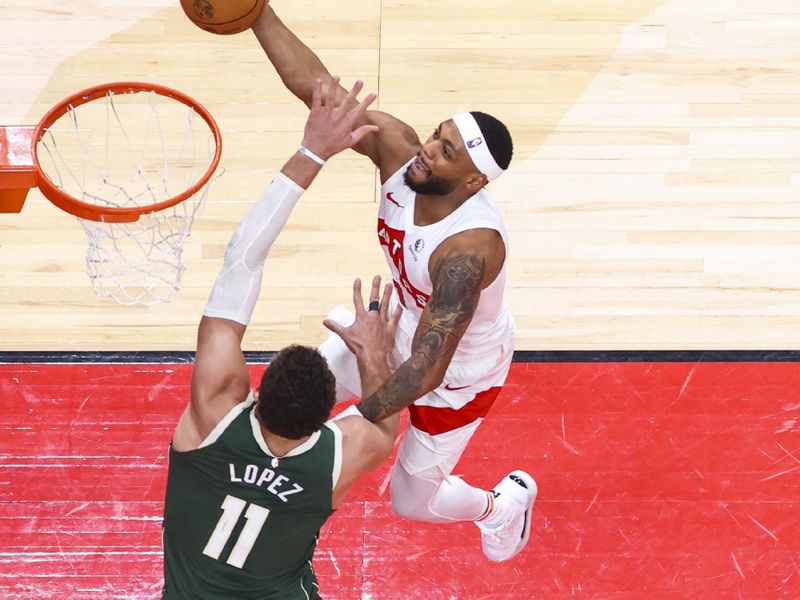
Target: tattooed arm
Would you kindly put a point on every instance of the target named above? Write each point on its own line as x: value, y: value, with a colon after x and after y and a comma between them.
x: 460, y: 268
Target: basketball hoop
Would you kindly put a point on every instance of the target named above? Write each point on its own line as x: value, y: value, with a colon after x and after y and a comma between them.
x: 134, y: 163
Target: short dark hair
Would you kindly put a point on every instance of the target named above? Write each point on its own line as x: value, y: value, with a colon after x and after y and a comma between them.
x: 297, y: 392
x: 498, y: 138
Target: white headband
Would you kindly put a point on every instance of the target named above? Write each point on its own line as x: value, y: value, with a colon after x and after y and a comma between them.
x: 476, y: 146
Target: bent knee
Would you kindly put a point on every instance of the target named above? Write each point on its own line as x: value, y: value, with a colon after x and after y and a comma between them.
x: 411, y: 494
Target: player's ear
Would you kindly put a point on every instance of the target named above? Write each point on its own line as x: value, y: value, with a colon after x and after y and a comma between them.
x: 255, y: 394
x: 476, y: 181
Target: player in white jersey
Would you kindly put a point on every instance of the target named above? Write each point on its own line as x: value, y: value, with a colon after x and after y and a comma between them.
x: 446, y: 247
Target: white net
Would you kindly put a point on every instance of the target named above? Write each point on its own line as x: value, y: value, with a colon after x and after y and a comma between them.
x: 126, y: 151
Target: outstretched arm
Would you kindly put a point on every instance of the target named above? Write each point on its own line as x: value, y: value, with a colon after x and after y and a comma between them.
x: 460, y: 269
x: 298, y: 68
x: 220, y: 378
x: 371, y: 337
x: 456, y: 291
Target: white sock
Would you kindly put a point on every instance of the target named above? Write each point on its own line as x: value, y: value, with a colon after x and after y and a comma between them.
x: 456, y: 500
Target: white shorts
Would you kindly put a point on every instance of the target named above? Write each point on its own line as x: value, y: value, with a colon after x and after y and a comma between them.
x: 420, y: 451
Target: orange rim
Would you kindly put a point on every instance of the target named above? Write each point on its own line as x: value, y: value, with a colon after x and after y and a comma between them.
x: 93, y: 212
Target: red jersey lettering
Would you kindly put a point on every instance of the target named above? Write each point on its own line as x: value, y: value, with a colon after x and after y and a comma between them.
x: 392, y: 240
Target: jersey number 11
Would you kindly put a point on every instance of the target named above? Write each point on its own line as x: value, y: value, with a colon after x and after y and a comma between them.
x: 232, y: 508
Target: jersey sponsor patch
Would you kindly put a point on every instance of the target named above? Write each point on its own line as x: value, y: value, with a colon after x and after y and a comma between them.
x: 416, y: 248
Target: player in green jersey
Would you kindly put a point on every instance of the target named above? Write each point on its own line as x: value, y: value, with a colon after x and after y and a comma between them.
x: 252, y: 478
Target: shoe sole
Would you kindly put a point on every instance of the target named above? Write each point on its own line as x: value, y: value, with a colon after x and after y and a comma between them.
x: 533, y: 490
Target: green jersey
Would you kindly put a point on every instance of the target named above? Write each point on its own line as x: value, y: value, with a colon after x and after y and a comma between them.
x: 240, y: 523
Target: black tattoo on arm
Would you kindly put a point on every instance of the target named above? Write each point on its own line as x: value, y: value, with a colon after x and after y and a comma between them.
x: 456, y: 291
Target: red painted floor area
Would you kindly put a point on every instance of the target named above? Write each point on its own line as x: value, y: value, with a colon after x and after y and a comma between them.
x: 657, y: 480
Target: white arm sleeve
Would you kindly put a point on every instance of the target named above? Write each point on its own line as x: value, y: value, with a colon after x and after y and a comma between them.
x: 237, y: 286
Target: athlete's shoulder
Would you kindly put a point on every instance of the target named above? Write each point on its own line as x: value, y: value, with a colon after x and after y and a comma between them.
x: 480, y: 240
x: 349, y: 426
x: 360, y: 437
x: 188, y: 437
x: 481, y: 212
x: 479, y: 252
x: 483, y: 201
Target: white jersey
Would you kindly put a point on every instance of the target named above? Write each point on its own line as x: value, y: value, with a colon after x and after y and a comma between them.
x: 408, y: 248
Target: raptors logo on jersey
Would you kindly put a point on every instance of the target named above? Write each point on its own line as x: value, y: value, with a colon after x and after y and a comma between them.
x: 392, y: 240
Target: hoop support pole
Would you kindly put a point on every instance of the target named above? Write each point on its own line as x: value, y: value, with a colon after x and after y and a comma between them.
x: 17, y: 170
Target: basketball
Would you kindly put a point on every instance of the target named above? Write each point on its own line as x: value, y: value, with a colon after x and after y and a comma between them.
x: 224, y: 17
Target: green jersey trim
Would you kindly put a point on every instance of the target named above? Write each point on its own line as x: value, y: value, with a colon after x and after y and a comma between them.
x: 337, y: 451
x: 227, y: 420
x: 262, y: 443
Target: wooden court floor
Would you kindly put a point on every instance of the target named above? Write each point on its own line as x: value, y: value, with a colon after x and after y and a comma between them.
x: 652, y: 203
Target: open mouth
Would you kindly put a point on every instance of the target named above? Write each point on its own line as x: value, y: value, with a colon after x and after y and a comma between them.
x: 419, y: 167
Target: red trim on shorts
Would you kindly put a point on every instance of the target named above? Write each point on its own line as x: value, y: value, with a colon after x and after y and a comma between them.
x: 435, y: 420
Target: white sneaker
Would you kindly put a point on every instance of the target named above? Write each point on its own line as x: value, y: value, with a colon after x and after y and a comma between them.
x: 505, y: 532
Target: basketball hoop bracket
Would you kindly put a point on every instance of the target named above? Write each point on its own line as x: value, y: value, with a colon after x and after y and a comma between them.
x: 133, y: 161
x: 17, y: 171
